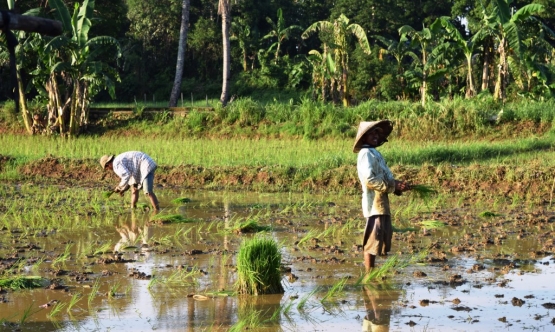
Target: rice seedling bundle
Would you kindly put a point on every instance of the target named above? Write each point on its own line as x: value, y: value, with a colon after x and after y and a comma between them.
x: 21, y: 282
x: 107, y: 194
x: 258, y: 267
x: 432, y: 224
x: 423, y: 191
x: 181, y: 200
x: 170, y: 218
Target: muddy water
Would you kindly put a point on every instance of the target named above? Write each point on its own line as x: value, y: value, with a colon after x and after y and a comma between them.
x: 480, y: 274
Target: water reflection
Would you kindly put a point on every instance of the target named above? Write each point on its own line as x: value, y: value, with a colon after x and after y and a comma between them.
x: 378, y: 301
x: 133, y: 235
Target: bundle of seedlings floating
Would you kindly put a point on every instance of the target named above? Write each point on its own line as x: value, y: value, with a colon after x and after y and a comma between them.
x: 180, y: 200
x: 423, y: 191
x: 432, y: 224
x: 23, y: 282
x: 249, y: 226
x: 170, y: 219
x: 258, y: 267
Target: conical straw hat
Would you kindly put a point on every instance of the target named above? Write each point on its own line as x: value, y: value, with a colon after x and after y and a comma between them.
x: 365, y: 126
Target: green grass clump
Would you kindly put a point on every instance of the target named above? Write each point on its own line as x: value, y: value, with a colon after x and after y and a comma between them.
x: 431, y: 224
x: 258, y: 267
x: 20, y: 282
x: 181, y: 200
x: 423, y: 191
x: 171, y: 218
x: 488, y: 214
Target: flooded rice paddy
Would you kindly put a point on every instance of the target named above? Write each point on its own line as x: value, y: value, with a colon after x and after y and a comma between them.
x: 461, y: 265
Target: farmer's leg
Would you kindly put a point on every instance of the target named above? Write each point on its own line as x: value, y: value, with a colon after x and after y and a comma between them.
x: 134, y: 196
x: 369, y: 261
x: 368, y: 243
x: 148, y: 187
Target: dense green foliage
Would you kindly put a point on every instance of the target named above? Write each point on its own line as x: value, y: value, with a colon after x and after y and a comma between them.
x: 269, y: 55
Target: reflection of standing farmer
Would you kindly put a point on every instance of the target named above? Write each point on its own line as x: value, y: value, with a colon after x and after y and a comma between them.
x: 136, y: 170
x: 378, y: 309
x: 377, y: 182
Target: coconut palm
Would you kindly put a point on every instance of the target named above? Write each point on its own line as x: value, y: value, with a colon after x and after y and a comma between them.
x: 180, y: 52
x: 224, y: 9
x: 339, y: 31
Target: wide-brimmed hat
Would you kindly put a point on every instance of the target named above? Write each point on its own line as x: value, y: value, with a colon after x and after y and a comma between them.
x: 106, y: 159
x: 385, y: 125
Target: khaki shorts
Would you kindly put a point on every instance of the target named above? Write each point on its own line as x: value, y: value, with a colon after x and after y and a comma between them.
x: 377, y: 235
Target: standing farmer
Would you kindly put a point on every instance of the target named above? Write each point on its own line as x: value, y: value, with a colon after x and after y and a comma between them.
x: 136, y: 170
x: 377, y: 182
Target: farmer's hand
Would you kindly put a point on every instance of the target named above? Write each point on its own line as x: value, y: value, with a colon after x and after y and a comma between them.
x: 118, y: 191
x: 401, y: 186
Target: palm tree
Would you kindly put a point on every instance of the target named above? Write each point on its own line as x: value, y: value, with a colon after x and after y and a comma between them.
x: 339, y: 30
x: 180, y: 52
x: 280, y: 32
x: 224, y: 9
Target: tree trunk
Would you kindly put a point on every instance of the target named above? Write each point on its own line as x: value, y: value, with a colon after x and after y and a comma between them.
x: 180, y: 53
x: 424, y: 86
x: 470, y: 91
x: 27, y: 119
x: 225, y: 11
x: 502, y: 72
x: 485, y: 68
x: 345, y: 91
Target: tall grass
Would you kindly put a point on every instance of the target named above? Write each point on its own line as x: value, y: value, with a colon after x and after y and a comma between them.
x: 258, y: 267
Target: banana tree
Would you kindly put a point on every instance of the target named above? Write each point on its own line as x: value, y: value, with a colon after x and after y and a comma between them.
x: 467, y: 47
x: 422, y: 39
x: 505, y: 27
x: 323, y: 71
x: 71, y: 70
x: 280, y: 32
x: 339, y: 31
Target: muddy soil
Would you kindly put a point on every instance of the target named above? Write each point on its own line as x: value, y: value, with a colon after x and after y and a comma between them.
x: 531, y: 183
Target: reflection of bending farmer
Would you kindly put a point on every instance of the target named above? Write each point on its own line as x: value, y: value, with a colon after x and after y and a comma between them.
x: 136, y: 170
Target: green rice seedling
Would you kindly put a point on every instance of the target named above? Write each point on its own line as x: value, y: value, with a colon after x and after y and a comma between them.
x: 102, y: 248
x: 57, y: 309
x: 391, y: 263
x: 250, y: 321
x: 63, y: 257
x: 335, y: 289
x: 107, y: 194
x: 94, y: 291
x: 432, y: 224
x: 171, y: 219
x: 308, y: 236
x: 73, y: 301
x: 181, y: 200
x: 423, y: 191
x: 21, y: 282
x: 27, y: 313
x: 302, y: 302
x: 113, y: 292
x: 258, y: 267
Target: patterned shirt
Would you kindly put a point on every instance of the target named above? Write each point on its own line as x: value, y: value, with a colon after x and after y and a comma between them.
x: 133, y: 167
x: 376, y: 180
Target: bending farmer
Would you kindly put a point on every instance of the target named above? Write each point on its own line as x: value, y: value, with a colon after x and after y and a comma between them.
x: 377, y: 182
x: 136, y: 170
